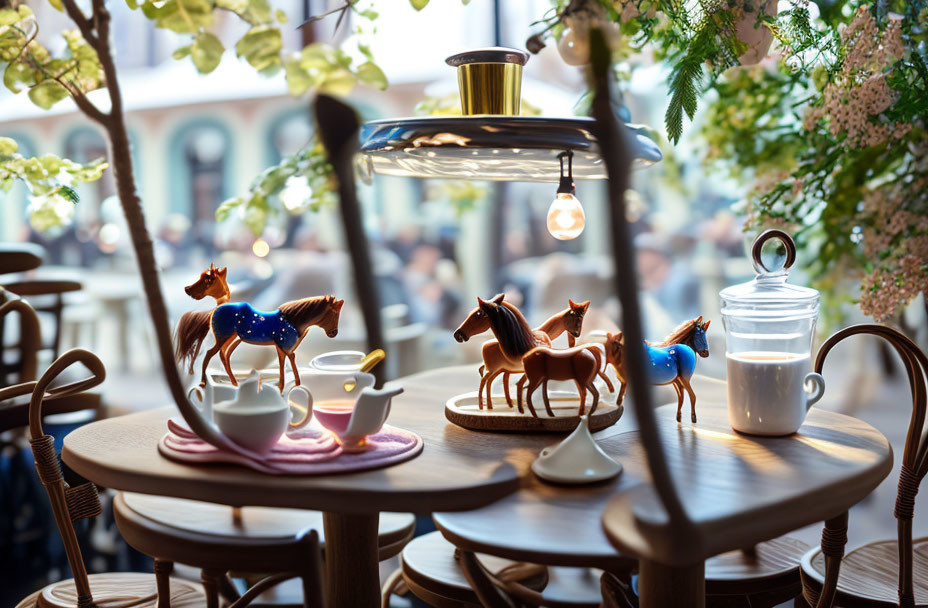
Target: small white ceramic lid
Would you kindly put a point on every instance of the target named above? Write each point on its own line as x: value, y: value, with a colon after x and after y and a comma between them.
x: 576, y: 460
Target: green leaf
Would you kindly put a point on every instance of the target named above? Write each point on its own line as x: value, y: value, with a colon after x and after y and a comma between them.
x: 47, y: 93
x: 256, y: 213
x: 684, y: 92
x: 182, y: 52
x: 8, y: 146
x: 181, y: 16
x: 260, y: 47
x: 9, y: 16
x: 370, y: 73
x: 206, y: 52
x: 281, y: 16
x: 132, y: 4
x: 17, y: 76
x: 236, y: 6
x: 259, y: 11
x: 298, y: 80
x: 226, y: 208
x: 418, y: 4
x: 57, y: 5
x: 338, y: 82
x: 68, y: 193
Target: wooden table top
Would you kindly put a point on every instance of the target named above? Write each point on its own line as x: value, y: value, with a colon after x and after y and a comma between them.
x: 737, y: 489
x: 457, y: 469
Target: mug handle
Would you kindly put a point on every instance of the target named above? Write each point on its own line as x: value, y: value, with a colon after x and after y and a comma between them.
x: 308, y: 414
x: 818, y: 385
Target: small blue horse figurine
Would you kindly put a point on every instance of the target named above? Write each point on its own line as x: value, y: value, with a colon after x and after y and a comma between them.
x: 234, y: 323
x: 672, y: 361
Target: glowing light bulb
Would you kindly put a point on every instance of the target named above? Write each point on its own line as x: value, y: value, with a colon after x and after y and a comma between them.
x: 260, y: 248
x: 566, y: 219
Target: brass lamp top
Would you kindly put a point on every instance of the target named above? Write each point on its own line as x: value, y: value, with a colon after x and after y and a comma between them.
x: 494, y: 54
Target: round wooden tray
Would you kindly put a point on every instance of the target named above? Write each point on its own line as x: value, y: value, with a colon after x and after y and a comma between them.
x: 462, y: 410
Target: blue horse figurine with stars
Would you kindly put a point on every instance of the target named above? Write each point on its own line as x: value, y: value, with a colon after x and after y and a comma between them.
x: 234, y: 323
x: 672, y: 361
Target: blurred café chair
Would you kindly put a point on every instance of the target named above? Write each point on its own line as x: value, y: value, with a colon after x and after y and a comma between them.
x: 45, y: 295
x: 223, y: 541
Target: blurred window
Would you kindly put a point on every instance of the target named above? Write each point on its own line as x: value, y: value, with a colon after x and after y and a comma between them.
x: 202, y: 149
x: 200, y: 168
x: 288, y: 133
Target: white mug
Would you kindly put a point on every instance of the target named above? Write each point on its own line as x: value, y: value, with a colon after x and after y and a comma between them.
x: 769, y: 393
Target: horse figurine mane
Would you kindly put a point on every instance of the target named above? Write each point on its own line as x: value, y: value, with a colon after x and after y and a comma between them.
x: 299, y: 312
x: 684, y: 334
x: 516, y: 337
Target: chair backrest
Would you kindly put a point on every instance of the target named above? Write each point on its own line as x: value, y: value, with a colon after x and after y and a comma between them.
x: 914, y: 462
x: 68, y: 503
x: 47, y: 297
x: 23, y: 367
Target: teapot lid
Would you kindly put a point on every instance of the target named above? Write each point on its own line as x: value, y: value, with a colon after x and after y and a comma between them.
x: 769, y: 289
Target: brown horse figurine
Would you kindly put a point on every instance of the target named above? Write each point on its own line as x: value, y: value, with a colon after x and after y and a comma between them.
x: 668, y: 365
x: 569, y: 320
x: 233, y: 324
x: 542, y: 364
x: 514, y: 338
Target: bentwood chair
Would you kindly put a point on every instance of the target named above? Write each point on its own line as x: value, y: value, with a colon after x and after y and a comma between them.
x: 219, y: 539
x: 889, y: 572
x: 70, y: 504
x: 445, y: 577
x: 21, y: 364
x: 46, y: 296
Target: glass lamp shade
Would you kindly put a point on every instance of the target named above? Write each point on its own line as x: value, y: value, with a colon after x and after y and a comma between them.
x: 566, y: 219
x: 500, y: 148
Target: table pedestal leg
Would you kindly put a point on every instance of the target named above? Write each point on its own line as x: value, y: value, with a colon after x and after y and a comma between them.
x: 660, y: 586
x: 352, y: 574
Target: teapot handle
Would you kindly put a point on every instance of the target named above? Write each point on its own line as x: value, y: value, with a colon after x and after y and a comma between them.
x: 204, y: 397
x: 308, y: 414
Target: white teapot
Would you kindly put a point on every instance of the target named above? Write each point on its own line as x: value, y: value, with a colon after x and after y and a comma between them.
x: 258, y: 416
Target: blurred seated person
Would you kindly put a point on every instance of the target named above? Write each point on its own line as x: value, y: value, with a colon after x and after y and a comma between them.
x: 669, y: 290
x: 429, y: 279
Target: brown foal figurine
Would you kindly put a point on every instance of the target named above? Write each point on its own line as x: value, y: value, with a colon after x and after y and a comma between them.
x: 542, y: 364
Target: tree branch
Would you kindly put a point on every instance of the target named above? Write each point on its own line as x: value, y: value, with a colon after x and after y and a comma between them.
x: 84, y: 104
x: 82, y: 22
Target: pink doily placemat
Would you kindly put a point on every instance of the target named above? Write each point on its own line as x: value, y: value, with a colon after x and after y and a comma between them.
x: 307, y: 451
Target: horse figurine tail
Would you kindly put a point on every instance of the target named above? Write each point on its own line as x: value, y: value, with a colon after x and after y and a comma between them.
x: 191, y: 331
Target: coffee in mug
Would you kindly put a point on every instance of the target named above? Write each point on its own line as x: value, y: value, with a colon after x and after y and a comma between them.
x: 769, y: 393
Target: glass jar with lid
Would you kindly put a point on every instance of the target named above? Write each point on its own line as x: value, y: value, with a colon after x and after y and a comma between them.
x: 769, y: 326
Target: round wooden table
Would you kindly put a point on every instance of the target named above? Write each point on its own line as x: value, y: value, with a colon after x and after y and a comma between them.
x: 739, y: 490
x: 458, y: 469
